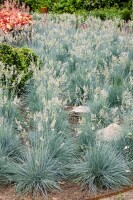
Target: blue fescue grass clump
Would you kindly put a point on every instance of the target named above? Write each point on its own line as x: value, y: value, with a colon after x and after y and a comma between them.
x: 101, y: 168
x: 37, y: 172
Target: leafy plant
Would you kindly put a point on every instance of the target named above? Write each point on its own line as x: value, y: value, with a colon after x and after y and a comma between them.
x: 35, y: 5
x: 100, y: 14
x: 79, y: 6
x: 106, y: 13
x: 13, y: 16
x: 126, y: 15
x: 17, y: 62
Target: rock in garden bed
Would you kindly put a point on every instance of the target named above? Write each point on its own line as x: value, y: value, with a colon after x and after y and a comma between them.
x: 110, y: 132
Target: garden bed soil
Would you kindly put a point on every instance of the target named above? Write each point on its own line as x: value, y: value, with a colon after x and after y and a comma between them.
x: 69, y: 192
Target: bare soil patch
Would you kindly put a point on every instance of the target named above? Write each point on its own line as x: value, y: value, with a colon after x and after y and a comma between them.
x: 69, y: 191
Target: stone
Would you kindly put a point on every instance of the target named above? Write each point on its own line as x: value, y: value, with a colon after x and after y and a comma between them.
x: 81, y: 109
x: 110, y: 132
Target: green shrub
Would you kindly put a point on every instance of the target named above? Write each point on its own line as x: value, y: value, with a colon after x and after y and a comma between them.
x: 101, y: 167
x: 100, y: 14
x: 126, y: 15
x: 106, y: 13
x: 71, y: 6
x: 111, y: 13
x: 108, y: 3
x: 35, y: 5
x: 68, y: 6
x: 16, y: 62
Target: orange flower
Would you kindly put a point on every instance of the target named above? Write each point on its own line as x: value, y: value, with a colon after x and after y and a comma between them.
x: 13, y: 17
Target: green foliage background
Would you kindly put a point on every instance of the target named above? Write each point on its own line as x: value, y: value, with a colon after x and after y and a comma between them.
x: 21, y: 59
x: 74, y: 5
x: 99, y: 8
